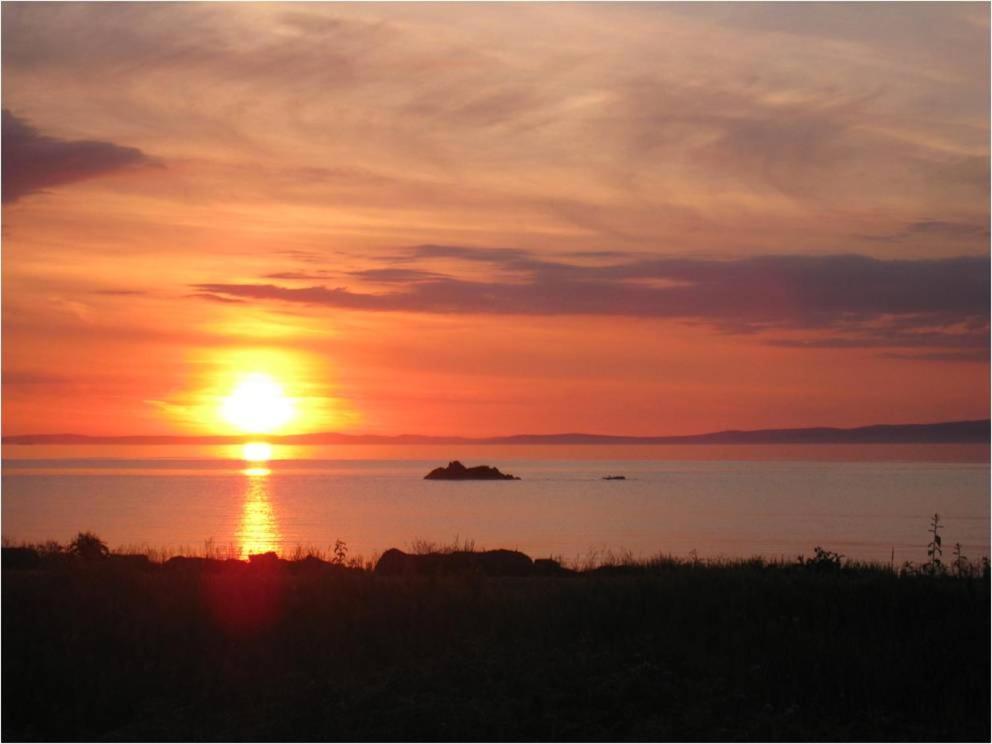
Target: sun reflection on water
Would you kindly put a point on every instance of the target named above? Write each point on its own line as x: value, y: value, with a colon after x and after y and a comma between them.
x: 258, y: 531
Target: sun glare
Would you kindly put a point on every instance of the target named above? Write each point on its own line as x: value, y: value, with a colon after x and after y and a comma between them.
x: 257, y: 405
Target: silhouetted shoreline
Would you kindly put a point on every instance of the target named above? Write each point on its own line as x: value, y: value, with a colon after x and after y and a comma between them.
x: 948, y: 432
x: 480, y: 645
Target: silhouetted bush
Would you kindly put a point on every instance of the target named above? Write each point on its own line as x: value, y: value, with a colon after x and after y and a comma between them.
x: 89, y: 547
x: 824, y: 561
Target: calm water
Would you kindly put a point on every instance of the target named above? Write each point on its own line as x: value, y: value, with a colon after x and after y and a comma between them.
x: 716, y: 500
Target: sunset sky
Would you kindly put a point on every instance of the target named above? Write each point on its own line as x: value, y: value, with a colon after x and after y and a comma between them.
x: 495, y: 219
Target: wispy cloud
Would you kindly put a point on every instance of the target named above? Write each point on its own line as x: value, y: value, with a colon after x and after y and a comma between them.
x: 221, y: 298
x: 120, y: 292
x: 817, y: 122
x: 936, y: 230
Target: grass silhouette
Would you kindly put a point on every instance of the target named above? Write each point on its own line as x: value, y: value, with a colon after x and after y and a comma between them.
x: 663, y: 648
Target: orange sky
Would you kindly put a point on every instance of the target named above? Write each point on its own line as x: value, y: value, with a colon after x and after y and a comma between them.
x: 495, y: 219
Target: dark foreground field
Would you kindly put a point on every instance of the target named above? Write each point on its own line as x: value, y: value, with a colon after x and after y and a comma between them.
x: 112, y: 650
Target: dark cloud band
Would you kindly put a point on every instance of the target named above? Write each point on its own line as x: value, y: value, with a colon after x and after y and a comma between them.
x: 869, y: 302
x: 33, y: 162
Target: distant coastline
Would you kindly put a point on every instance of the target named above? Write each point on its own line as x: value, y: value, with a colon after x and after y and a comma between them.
x: 949, y: 432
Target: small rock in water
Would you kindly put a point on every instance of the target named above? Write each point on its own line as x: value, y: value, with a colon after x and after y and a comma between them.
x: 456, y: 471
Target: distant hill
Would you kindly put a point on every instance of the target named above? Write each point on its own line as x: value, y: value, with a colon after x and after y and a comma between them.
x: 950, y: 432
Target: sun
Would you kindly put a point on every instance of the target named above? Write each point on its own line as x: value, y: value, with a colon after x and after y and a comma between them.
x: 257, y: 405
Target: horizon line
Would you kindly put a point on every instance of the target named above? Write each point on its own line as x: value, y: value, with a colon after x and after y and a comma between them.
x: 966, y: 427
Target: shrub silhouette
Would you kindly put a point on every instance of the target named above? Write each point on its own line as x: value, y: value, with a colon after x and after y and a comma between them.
x: 822, y: 560
x: 89, y: 547
x: 961, y: 565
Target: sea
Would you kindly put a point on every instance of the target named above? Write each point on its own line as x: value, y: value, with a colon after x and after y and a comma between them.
x: 867, y: 502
